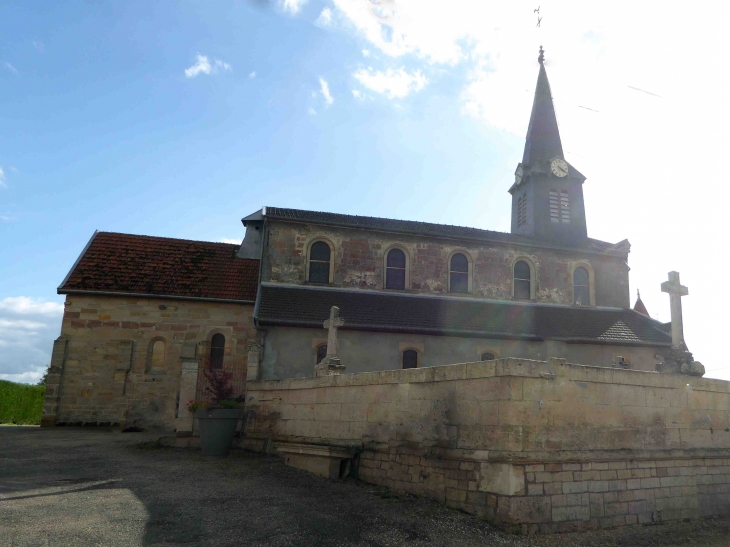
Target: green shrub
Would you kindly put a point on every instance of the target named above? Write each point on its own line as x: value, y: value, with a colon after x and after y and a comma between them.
x: 21, y: 404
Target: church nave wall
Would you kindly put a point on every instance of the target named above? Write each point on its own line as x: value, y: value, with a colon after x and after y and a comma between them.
x: 358, y: 261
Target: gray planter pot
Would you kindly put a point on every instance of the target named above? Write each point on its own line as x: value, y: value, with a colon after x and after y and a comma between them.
x: 217, y: 428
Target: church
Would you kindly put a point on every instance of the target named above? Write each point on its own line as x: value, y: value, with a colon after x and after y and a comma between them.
x: 144, y: 314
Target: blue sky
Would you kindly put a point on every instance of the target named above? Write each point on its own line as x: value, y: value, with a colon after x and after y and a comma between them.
x: 179, y: 119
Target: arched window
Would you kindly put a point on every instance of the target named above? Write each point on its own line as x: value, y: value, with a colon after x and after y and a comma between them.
x: 155, y: 355
x: 459, y: 274
x: 522, y: 280
x: 487, y: 356
x: 319, y: 262
x: 217, y: 350
x: 321, y: 352
x: 581, y: 287
x: 395, y: 270
x: 410, y: 358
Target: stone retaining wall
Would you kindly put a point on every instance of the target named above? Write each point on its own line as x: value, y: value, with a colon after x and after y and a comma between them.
x: 529, y: 445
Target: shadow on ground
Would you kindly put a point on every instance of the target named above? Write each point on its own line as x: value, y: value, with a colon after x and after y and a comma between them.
x: 65, y: 486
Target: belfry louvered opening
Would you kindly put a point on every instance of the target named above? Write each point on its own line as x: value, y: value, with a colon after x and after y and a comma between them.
x: 522, y: 210
x: 559, y: 206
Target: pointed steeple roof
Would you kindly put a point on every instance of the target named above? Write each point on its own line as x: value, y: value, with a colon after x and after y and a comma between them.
x: 543, y: 138
x: 639, y: 306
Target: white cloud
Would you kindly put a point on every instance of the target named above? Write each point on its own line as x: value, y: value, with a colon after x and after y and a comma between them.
x: 292, y: 6
x: 357, y: 93
x: 234, y: 240
x: 204, y: 66
x: 28, y: 327
x: 325, y: 18
x: 6, y: 217
x: 252, y: 74
x: 30, y: 377
x: 325, y: 90
x: 39, y: 46
x: 3, y: 183
x: 394, y: 84
x: 311, y: 111
x: 23, y: 305
x: 10, y: 67
x: 366, y: 53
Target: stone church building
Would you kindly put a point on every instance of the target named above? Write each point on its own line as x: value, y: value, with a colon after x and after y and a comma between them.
x: 144, y: 314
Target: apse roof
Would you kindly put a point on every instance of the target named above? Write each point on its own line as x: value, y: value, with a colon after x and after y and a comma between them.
x: 129, y: 264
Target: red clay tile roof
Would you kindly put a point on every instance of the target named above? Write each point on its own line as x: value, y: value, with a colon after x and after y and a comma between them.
x: 132, y: 264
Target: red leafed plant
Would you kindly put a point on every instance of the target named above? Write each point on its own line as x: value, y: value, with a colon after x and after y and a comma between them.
x: 219, y: 383
x: 220, y: 388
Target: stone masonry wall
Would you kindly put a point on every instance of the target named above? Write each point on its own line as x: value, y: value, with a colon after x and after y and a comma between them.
x: 101, y: 368
x: 559, y: 497
x: 530, y: 445
x: 358, y: 262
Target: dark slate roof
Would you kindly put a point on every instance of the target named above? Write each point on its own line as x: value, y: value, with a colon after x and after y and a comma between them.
x: 288, y: 305
x: 422, y: 228
x: 160, y: 266
x: 543, y: 137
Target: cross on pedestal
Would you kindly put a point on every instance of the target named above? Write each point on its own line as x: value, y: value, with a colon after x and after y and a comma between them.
x: 331, y: 363
x: 332, y: 324
x: 676, y: 292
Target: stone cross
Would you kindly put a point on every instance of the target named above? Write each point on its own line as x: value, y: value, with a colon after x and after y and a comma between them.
x: 676, y: 292
x: 332, y: 324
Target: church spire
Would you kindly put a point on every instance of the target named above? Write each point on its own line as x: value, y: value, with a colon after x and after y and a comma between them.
x: 639, y: 306
x: 543, y: 138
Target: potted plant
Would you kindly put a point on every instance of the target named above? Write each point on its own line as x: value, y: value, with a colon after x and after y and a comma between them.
x: 219, y: 414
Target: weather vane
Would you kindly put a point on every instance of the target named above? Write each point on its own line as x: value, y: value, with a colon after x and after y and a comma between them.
x: 539, y: 19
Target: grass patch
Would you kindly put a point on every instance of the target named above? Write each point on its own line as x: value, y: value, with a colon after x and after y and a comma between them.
x: 21, y: 404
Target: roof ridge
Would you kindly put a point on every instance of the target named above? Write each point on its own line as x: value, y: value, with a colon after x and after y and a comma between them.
x: 166, y: 238
x: 521, y: 238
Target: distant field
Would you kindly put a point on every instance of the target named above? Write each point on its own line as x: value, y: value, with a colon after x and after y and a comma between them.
x: 20, y: 403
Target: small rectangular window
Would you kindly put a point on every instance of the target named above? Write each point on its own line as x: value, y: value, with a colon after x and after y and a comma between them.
x: 319, y: 272
x: 395, y: 278
x: 522, y: 289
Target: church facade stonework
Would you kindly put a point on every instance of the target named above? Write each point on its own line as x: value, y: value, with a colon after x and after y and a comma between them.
x: 504, y: 374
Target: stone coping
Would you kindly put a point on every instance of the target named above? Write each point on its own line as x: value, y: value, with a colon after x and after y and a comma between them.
x: 524, y: 368
x: 290, y: 444
x: 309, y: 449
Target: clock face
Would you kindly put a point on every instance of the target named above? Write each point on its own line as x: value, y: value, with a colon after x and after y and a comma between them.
x: 518, y: 175
x: 559, y: 168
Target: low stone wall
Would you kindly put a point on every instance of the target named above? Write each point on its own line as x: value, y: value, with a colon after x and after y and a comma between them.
x: 529, y: 445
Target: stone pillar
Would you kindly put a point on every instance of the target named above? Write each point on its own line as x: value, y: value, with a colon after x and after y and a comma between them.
x: 124, y: 366
x: 253, y: 365
x: 53, y: 381
x: 188, y: 385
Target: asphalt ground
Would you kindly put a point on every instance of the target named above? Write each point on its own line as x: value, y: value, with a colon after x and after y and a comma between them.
x: 78, y: 487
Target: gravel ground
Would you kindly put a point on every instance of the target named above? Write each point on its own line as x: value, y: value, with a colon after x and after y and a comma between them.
x: 66, y: 486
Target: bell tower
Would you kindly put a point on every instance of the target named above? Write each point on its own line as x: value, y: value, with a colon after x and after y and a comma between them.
x: 547, y: 196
